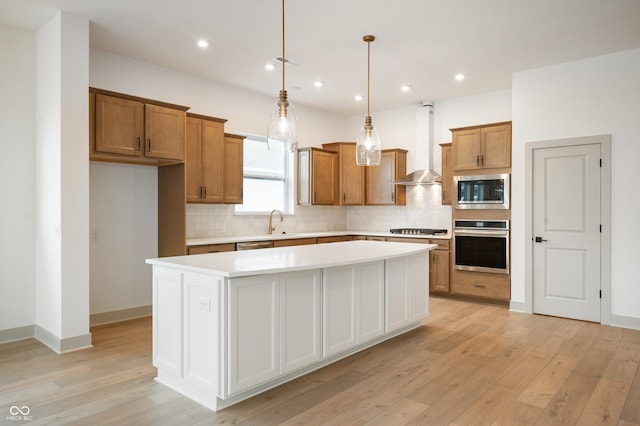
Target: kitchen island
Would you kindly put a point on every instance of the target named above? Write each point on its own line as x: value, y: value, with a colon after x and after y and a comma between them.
x: 227, y: 326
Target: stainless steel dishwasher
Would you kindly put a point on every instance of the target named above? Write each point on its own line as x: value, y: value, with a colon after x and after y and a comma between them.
x: 252, y: 245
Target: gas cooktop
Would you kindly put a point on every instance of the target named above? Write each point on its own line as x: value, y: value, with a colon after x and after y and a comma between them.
x: 417, y: 231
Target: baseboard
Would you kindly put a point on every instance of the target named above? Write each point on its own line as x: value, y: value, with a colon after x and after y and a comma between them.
x: 516, y: 306
x: 61, y: 346
x: 626, y: 322
x: 18, y: 333
x: 118, y: 316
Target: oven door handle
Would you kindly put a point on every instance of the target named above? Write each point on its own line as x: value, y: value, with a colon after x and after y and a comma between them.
x: 484, y: 233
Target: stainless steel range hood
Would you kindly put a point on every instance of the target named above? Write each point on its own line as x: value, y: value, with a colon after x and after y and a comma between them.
x: 424, y: 142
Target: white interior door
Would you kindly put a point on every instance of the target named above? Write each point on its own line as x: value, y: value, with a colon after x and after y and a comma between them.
x: 566, y: 231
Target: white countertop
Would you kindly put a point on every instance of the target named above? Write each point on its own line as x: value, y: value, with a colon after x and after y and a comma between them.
x: 286, y: 259
x: 267, y: 237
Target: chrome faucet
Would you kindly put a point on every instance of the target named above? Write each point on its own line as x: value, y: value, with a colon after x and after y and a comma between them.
x: 271, y: 227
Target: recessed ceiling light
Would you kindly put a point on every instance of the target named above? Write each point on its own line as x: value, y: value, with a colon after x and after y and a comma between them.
x: 358, y: 98
x: 459, y: 76
x: 405, y: 88
x: 203, y: 43
x: 269, y: 67
x: 318, y: 83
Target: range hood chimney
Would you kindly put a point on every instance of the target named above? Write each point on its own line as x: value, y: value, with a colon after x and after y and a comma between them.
x: 424, y: 174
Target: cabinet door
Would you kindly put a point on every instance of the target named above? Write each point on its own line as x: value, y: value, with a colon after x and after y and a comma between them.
x: 439, y: 271
x: 253, y: 331
x: 397, y: 294
x: 300, y: 327
x: 233, y: 169
x: 203, y: 317
x: 167, y: 320
x: 164, y: 132
x: 325, y: 177
x: 418, y: 286
x: 351, y: 177
x: 380, y: 189
x: 193, y: 160
x: 407, y: 290
x: 339, y: 309
x: 119, y: 125
x: 496, y: 146
x: 466, y: 149
x: 212, y: 161
x: 370, y: 301
x: 447, y: 177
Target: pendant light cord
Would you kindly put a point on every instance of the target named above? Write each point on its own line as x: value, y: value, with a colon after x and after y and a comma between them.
x: 283, y: 57
x: 368, y: 78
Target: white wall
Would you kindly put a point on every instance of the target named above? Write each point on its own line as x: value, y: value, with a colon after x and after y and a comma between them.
x: 124, y: 232
x: 17, y: 178
x: 62, y: 190
x: 589, y: 97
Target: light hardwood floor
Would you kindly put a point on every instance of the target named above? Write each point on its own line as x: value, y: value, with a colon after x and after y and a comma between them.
x: 471, y: 364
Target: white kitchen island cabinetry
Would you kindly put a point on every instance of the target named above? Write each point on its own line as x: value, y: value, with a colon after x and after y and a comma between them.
x: 227, y: 326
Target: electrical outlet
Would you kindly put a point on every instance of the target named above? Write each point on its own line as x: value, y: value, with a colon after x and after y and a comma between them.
x: 205, y: 304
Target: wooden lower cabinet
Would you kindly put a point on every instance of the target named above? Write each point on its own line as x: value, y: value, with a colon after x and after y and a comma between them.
x: 439, y: 271
x: 483, y: 285
x: 211, y: 248
x: 294, y: 242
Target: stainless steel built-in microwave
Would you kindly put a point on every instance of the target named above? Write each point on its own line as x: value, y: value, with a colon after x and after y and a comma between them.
x: 481, y: 191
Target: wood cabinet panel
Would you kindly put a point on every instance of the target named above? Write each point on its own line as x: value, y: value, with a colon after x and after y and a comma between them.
x: 439, y: 271
x: 380, y: 189
x: 317, y: 177
x: 119, y: 125
x: 164, y: 132
x: 352, y: 177
x: 447, y: 175
x: 233, y: 171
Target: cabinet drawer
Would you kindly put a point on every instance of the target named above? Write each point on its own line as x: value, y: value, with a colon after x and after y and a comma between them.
x: 322, y: 240
x: 294, y: 242
x: 442, y: 244
x: 211, y: 248
x: 488, y: 286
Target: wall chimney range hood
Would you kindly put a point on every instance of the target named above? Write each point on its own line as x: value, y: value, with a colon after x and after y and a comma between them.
x: 424, y: 127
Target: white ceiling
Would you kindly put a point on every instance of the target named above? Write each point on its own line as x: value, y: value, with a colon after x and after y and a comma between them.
x: 422, y: 43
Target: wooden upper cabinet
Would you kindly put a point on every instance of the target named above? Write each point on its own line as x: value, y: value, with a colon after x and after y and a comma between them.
x: 213, y: 163
x: 204, y: 160
x: 233, y: 170
x: 129, y: 129
x: 119, y: 125
x: 164, y: 132
x: 380, y: 189
x: 447, y: 176
x: 352, y: 177
x: 317, y: 176
x: 482, y: 147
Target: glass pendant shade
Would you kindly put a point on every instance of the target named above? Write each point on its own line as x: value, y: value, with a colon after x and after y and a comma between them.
x: 368, y: 142
x: 368, y: 145
x: 283, y: 125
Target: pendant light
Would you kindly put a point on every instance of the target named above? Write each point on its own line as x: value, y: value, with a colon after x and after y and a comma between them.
x: 368, y: 142
x: 283, y: 122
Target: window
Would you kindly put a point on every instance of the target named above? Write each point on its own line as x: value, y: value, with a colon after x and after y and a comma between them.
x: 267, y: 178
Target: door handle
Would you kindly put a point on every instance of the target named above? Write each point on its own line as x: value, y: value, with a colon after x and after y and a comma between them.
x: 540, y: 240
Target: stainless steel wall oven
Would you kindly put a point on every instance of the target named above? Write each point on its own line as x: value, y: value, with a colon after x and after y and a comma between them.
x: 481, y: 245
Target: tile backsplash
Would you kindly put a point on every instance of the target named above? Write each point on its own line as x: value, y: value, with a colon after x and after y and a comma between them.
x: 423, y: 210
